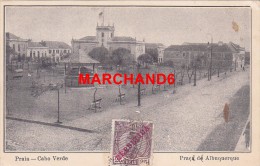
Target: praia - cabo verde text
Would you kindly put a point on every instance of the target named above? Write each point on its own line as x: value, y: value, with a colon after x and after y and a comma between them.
x: 118, y: 79
x: 41, y: 158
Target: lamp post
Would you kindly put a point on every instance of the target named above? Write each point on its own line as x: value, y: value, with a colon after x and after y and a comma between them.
x: 58, y: 90
x: 139, y: 86
x: 195, y: 76
x: 210, y: 67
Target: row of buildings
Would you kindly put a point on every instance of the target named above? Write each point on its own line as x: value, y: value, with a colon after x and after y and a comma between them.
x: 26, y: 49
x: 223, y: 54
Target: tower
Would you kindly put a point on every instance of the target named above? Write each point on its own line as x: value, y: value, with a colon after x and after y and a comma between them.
x: 104, y: 34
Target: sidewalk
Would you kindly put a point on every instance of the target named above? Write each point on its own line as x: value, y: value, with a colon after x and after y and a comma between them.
x: 241, y: 144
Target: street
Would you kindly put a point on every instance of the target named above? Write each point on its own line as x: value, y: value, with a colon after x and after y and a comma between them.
x: 184, y: 121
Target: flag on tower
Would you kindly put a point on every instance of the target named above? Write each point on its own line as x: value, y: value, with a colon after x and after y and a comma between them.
x: 101, y: 17
x: 100, y: 14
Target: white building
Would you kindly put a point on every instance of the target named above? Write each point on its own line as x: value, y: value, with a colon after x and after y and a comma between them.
x: 159, y: 47
x: 35, y: 51
x: 238, y: 55
x: 57, y: 50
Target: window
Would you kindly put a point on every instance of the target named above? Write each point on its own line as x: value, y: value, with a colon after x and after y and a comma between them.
x: 102, y: 34
x: 183, y: 54
x: 65, y: 51
x: 111, y: 35
x: 14, y: 46
x: 38, y: 53
x: 18, y: 47
x: 30, y: 53
x: 49, y: 51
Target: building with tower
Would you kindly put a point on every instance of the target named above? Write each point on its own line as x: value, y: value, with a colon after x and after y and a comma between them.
x: 105, y: 37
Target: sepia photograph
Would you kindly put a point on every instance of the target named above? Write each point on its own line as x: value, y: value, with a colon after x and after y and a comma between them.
x: 70, y: 71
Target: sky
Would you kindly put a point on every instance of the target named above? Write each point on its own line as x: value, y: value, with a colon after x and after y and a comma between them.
x: 167, y: 25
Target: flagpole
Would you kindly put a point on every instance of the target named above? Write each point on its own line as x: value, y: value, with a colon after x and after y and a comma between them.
x: 103, y: 17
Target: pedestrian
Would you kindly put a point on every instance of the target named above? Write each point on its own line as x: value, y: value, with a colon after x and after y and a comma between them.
x: 226, y: 112
x: 247, y: 135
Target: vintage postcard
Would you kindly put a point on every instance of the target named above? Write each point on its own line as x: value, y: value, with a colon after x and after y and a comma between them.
x: 127, y: 83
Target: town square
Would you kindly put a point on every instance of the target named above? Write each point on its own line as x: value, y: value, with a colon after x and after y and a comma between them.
x: 47, y: 108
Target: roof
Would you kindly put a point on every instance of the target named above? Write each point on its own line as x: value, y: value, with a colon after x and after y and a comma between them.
x: 154, y: 45
x: 199, y: 47
x: 83, y: 58
x: 90, y: 38
x: 57, y: 45
x: 111, y: 28
x: 10, y: 36
x: 35, y: 44
x: 235, y: 47
x: 123, y: 38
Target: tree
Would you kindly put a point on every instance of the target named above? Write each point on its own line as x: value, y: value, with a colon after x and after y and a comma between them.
x: 168, y: 63
x: 153, y: 52
x: 189, y: 73
x: 100, y: 54
x: 145, y: 58
x: 122, y: 56
x: 9, y: 51
x: 43, y: 43
x: 196, y: 64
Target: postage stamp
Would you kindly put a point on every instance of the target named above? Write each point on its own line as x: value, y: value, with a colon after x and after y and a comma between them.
x: 131, y: 142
